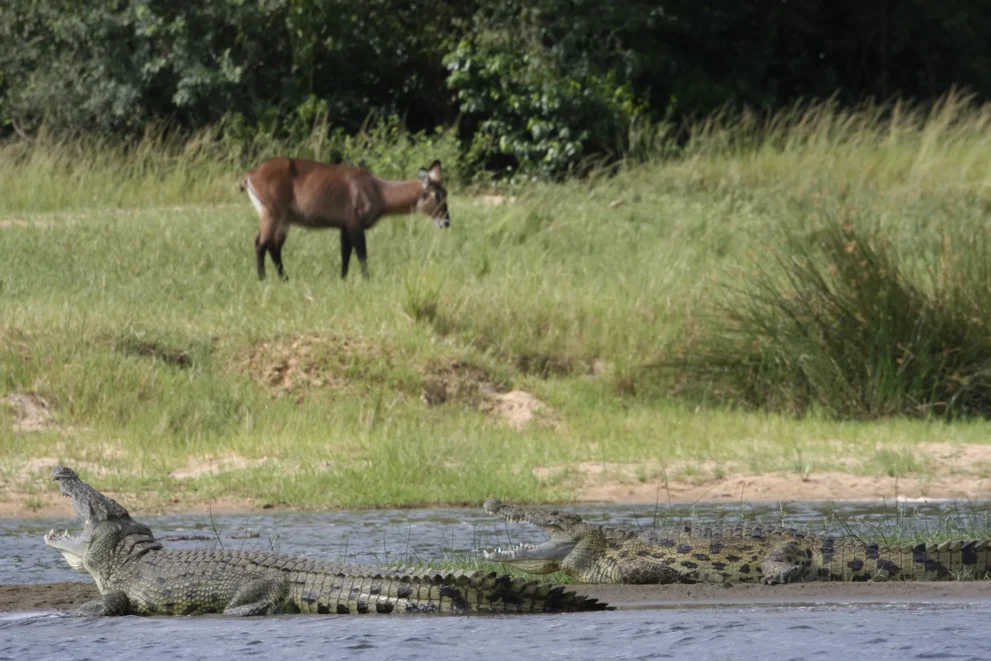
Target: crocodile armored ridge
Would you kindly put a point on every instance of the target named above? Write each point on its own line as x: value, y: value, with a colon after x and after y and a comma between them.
x: 592, y: 553
x: 136, y: 575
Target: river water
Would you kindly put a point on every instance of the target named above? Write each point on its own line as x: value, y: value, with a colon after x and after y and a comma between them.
x: 938, y: 630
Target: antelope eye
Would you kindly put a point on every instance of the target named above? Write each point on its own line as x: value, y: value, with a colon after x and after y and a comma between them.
x: 438, y: 196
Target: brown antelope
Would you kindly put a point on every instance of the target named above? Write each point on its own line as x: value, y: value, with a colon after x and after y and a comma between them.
x: 292, y: 191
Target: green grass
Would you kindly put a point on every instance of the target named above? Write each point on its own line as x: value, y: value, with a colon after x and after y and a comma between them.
x: 128, y: 301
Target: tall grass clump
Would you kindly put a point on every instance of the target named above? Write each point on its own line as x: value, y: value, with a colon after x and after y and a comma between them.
x: 841, y: 320
x: 169, y: 167
x: 897, y: 148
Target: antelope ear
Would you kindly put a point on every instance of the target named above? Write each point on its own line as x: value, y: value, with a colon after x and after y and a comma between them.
x: 435, y: 172
x: 423, y: 176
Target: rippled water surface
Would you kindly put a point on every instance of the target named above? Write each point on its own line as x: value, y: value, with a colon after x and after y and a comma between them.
x: 835, y: 632
x: 896, y: 631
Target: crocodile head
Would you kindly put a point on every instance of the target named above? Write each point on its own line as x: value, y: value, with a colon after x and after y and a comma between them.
x: 573, y: 545
x: 97, y: 550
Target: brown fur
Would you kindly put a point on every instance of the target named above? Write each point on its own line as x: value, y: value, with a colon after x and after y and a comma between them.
x: 292, y: 191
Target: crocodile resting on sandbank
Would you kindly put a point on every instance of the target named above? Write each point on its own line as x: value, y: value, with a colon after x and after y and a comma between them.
x: 136, y: 574
x: 592, y: 553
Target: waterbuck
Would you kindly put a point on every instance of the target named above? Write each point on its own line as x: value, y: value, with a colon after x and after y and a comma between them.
x: 293, y: 191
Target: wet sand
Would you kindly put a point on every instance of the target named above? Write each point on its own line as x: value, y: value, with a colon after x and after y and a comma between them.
x: 65, y: 596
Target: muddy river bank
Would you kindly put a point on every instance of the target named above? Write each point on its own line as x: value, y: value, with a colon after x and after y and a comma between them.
x: 65, y: 596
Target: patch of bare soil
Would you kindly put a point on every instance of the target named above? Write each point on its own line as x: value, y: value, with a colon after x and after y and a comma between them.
x: 46, y: 597
x: 456, y: 382
x: 66, y: 596
x: 32, y: 412
x: 956, y: 473
x: 470, y: 385
x: 519, y: 408
x: 49, y: 504
x: 200, y: 466
x: 791, y: 486
x: 40, y: 467
x: 45, y: 501
x: 294, y: 364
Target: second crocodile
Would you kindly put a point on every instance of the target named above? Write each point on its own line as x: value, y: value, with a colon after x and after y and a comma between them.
x: 592, y: 553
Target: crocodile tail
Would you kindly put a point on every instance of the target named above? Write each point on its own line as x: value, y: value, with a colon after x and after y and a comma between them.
x: 420, y: 591
x: 946, y: 561
x: 502, y: 593
x: 953, y: 560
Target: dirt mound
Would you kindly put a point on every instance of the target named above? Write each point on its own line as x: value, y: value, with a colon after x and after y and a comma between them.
x: 300, y: 363
x: 32, y: 412
x: 296, y: 363
x: 456, y: 382
x: 518, y: 408
x: 470, y: 385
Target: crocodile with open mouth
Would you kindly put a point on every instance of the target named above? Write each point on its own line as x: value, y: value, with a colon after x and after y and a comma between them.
x: 136, y: 574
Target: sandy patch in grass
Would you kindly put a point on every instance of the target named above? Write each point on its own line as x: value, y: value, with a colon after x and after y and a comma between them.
x: 519, y: 408
x: 7, y: 223
x: 791, y: 486
x: 962, y: 456
x: 42, y: 466
x: 456, y: 382
x: 956, y: 471
x: 200, y: 466
x: 470, y: 385
x: 297, y: 363
x: 50, y: 504
x: 32, y: 412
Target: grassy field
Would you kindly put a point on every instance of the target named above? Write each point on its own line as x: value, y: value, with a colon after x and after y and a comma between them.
x: 129, y: 304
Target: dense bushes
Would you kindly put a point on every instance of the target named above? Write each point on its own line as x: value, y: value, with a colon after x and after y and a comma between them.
x: 539, y: 84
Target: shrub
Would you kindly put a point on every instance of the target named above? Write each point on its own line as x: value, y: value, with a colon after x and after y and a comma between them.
x: 839, y: 320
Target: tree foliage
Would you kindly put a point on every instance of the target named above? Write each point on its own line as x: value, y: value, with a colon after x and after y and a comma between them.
x: 538, y: 84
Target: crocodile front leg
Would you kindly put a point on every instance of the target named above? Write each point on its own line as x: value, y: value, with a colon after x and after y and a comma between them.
x: 112, y: 603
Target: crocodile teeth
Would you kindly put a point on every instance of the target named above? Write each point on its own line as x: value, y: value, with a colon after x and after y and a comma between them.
x: 51, y: 534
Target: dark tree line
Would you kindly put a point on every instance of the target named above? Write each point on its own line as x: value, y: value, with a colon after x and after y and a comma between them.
x: 535, y: 83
